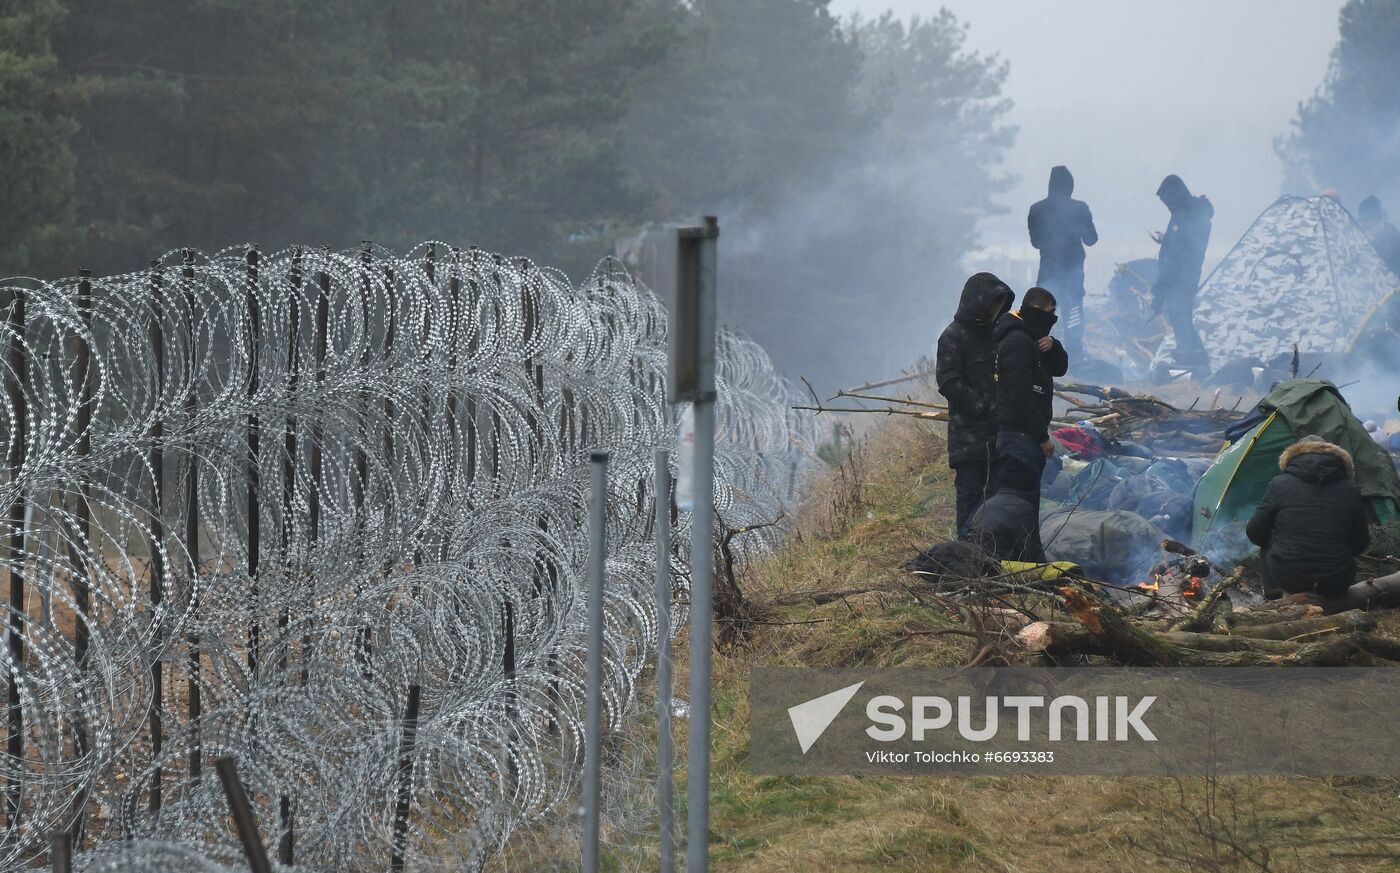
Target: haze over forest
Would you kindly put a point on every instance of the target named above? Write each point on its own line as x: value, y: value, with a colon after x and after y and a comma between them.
x: 859, y: 165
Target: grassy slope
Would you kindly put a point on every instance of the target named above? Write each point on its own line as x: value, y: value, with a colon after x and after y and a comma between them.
x: 994, y: 824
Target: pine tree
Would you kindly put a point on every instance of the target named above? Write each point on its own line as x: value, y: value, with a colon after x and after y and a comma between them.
x: 1347, y: 137
x: 37, y: 226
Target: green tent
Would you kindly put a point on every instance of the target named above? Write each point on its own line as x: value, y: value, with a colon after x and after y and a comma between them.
x: 1232, y: 487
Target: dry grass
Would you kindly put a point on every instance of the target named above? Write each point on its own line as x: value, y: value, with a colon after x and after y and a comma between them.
x: 977, y: 823
x: 850, y: 540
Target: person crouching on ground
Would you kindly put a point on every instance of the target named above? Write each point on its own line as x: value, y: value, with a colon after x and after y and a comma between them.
x: 1028, y: 360
x: 1311, y: 524
x: 965, y: 371
x: 1007, y: 526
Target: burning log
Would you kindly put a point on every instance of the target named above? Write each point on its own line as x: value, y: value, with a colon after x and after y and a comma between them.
x: 1207, y: 614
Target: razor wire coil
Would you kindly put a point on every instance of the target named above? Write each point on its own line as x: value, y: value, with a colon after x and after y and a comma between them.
x: 253, y: 500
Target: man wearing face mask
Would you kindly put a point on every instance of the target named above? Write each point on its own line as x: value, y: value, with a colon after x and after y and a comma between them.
x: 1028, y: 360
x: 965, y: 370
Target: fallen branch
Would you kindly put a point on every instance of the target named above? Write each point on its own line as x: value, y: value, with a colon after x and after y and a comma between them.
x: 876, y: 397
x: 817, y: 597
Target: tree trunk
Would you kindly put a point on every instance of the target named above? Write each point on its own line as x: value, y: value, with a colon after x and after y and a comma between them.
x: 1345, y: 622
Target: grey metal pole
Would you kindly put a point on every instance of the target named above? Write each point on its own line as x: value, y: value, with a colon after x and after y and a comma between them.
x: 61, y: 852
x: 243, y: 818
x: 593, y: 703
x: 664, y: 751
x: 702, y: 560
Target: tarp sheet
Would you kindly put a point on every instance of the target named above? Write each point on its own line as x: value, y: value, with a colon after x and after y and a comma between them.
x: 1118, y: 547
x: 1315, y: 406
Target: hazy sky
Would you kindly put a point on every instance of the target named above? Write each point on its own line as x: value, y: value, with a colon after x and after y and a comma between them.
x: 1125, y: 92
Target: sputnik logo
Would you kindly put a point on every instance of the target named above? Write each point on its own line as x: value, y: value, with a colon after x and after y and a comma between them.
x: 811, y: 719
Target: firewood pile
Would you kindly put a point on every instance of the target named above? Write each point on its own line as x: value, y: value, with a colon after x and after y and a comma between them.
x: 1119, y: 415
x: 1215, y: 627
x: 1190, y: 614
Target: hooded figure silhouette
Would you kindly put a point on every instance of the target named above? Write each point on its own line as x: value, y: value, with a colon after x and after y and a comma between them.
x: 1179, y: 263
x: 1385, y: 239
x: 966, y: 373
x: 1060, y: 228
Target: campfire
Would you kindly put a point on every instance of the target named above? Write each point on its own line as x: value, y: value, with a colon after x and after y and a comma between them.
x: 1185, y: 576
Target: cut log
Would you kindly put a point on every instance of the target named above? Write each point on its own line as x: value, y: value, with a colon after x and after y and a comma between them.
x: 1063, y: 639
x: 1059, y: 638
x: 1345, y: 622
x: 1371, y: 594
x: 1119, y: 638
x: 1112, y: 635
x: 1273, y: 611
x: 1379, y: 646
x: 1227, y: 643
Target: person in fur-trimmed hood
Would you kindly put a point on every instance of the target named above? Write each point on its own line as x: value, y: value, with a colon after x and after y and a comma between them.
x: 1311, y: 524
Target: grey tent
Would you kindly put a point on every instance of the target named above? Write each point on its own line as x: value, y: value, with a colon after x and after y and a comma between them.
x: 1303, y: 273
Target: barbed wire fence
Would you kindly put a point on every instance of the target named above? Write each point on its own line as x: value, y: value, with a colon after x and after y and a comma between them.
x: 323, y: 513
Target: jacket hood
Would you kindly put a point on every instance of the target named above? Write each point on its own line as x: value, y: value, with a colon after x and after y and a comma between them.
x: 981, y: 292
x: 1173, y: 191
x: 1371, y: 211
x: 1317, y: 461
x: 1061, y: 182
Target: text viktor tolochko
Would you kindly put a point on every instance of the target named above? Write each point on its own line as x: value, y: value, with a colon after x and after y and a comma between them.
x: 1119, y: 721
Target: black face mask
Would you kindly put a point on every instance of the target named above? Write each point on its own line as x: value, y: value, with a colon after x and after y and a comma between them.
x: 1038, y: 320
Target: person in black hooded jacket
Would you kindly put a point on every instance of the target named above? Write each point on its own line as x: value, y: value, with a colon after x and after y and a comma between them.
x: 1311, y: 524
x: 965, y: 371
x: 1028, y: 360
x: 1060, y: 228
x: 1385, y: 239
x: 1008, y: 524
x: 1179, y: 264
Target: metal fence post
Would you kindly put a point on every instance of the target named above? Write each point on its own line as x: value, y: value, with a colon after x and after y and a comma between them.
x: 156, y: 336
x: 593, y: 702
x: 82, y: 586
x: 693, y: 374
x: 664, y: 752
x: 243, y: 818
x: 405, y: 772
x: 61, y: 852
x: 18, y: 354
x: 286, y: 845
x: 195, y: 706
x: 254, y: 504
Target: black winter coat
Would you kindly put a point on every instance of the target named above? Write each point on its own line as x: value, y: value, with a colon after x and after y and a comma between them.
x: 966, y: 367
x: 1184, y: 244
x: 1007, y: 525
x: 1025, y: 378
x: 1311, y: 523
x: 1060, y: 227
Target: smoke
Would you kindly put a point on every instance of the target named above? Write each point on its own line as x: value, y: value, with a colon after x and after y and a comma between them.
x: 849, y: 276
